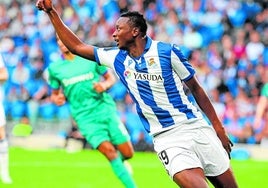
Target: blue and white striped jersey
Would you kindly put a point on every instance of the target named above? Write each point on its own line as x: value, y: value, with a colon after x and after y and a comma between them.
x: 154, y: 81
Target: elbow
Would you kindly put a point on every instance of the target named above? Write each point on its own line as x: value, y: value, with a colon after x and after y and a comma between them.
x: 73, y: 50
x: 75, y: 47
x: 82, y: 50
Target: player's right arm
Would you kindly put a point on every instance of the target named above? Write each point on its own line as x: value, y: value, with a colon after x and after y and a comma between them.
x: 69, y: 39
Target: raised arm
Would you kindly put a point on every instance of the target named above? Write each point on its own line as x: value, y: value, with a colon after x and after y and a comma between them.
x: 70, y: 40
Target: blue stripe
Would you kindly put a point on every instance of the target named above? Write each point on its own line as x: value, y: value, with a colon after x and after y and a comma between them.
x: 96, y: 56
x: 146, y: 95
x: 169, y: 83
x: 143, y: 119
x: 120, y: 69
x: 119, y: 66
x: 185, y: 62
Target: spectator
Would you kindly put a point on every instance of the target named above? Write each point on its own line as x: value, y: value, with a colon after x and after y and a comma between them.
x: 38, y: 91
x: 168, y: 24
x: 217, y: 103
x: 238, y: 127
x: 255, y: 48
x: 261, y: 108
x: 239, y: 47
x: 18, y: 92
x: 4, y: 19
x: 261, y: 133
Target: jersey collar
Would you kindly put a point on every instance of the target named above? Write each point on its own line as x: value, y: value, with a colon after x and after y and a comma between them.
x: 148, y: 44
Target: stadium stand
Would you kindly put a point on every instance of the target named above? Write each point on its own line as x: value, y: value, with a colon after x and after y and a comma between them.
x: 226, y: 40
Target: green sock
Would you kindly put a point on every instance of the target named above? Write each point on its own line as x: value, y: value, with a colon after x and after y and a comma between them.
x: 122, y: 173
x: 120, y: 155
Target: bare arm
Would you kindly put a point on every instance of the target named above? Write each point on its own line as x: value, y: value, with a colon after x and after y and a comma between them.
x: 261, y: 106
x: 109, y: 81
x: 3, y: 74
x: 58, y: 97
x: 206, y: 106
x: 69, y: 39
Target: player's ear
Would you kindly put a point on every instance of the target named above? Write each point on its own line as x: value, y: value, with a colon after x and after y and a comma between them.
x: 135, y: 31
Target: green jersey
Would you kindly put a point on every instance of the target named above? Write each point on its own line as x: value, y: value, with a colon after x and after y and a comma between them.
x: 95, y: 113
x: 76, y: 78
x: 264, y: 91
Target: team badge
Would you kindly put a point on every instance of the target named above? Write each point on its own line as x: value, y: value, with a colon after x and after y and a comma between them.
x: 151, y: 62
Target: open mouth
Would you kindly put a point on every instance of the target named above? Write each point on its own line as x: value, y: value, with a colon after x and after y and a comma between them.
x: 117, y: 42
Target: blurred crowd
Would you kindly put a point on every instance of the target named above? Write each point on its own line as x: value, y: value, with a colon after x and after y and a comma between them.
x: 226, y: 41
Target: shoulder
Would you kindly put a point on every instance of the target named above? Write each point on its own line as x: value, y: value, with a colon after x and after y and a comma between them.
x: 107, y: 55
x: 159, y: 47
x: 159, y: 44
x: 55, y: 64
x: 265, y: 88
x: 80, y: 59
x: 107, y: 49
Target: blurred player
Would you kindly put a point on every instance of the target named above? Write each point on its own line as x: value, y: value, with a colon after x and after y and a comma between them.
x: 84, y: 84
x: 153, y: 72
x: 260, y: 125
x: 4, y: 158
x: 74, y: 139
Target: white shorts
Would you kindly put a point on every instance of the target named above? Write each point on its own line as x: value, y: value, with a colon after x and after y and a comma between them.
x: 191, y: 146
x: 2, y: 116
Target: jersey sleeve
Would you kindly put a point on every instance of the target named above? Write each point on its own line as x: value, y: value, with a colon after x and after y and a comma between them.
x: 102, y: 69
x: 264, y: 90
x: 106, y: 56
x: 180, y: 64
x: 52, y: 81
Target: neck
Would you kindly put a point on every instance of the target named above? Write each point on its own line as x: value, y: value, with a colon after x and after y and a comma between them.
x: 68, y: 55
x: 138, y: 47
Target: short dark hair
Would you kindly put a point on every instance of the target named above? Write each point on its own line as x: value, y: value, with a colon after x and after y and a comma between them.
x: 137, y: 20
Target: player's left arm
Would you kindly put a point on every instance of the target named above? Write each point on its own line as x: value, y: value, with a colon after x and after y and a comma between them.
x: 206, y: 106
x: 3, y: 74
x: 57, y: 97
x: 261, y: 106
x: 107, y: 82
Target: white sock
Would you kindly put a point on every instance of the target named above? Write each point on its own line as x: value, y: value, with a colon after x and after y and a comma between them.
x: 4, y: 162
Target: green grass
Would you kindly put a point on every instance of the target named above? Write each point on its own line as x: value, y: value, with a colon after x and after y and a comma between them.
x: 89, y: 169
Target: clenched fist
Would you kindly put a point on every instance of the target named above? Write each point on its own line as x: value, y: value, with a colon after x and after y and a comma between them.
x: 58, y: 98
x: 100, y: 87
x: 45, y: 5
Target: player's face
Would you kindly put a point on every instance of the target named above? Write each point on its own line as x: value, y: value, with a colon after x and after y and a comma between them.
x: 124, y: 33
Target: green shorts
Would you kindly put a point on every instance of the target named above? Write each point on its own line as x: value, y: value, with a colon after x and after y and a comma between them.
x: 102, y: 129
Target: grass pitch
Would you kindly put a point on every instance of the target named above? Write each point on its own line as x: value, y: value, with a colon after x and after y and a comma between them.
x: 89, y: 169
